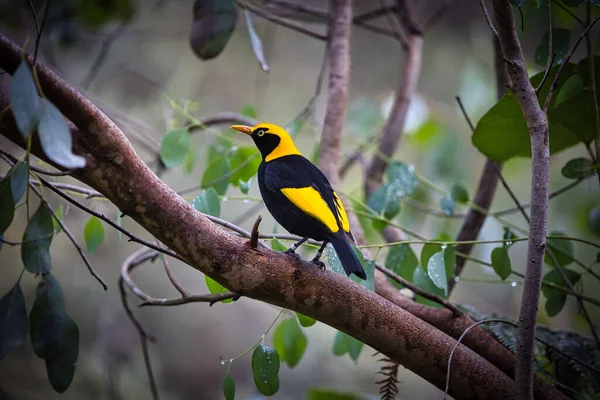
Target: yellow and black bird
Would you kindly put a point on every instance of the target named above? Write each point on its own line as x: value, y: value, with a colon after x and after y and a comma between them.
x: 300, y: 197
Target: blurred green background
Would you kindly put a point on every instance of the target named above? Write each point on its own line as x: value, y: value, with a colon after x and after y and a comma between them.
x: 149, y: 65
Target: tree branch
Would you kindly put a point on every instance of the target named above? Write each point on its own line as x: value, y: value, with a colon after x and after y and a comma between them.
x: 259, y: 273
x: 537, y: 123
x: 394, y: 126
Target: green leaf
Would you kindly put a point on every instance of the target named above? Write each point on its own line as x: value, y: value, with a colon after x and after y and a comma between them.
x: 459, y: 193
x: 428, y: 250
x: 501, y: 262
x: 384, y: 202
x: 327, y: 394
x: 249, y: 111
x: 561, y: 39
x: 402, y: 178
x: 577, y: 168
x: 334, y: 261
x: 572, y: 87
x: 423, y: 281
x: 314, y: 158
x: 93, y: 233
x: 212, y: 25
x: 572, y: 3
x: 25, y: 103
x: 305, y: 321
x: 436, y: 270
x: 447, y: 204
x: 61, y: 369
x: 59, y: 214
x: 245, y: 186
x: 276, y: 245
x: 369, y: 267
x: 174, y: 146
x: 265, y: 369
x: 55, y: 138
x: 37, y: 239
x: 7, y: 205
x: 215, y: 175
x: 219, y: 148
x: 556, y: 299
x: 289, y: 341
x: 517, y: 3
x: 562, y: 249
x: 208, y: 202
x: 450, y: 261
x: 502, y: 133
x: 402, y: 260
x: 48, y: 320
x: 229, y: 387
x: 343, y: 344
x: 509, y: 235
x: 244, y: 164
x: 13, y: 320
x: 215, y: 287
x: 18, y: 180
x: 190, y: 160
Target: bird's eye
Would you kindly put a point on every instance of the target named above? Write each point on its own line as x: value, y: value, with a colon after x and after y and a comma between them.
x: 260, y: 132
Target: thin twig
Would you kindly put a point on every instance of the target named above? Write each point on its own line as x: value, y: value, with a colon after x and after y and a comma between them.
x: 40, y: 30
x: 488, y: 19
x: 140, y: 256
x: 566, y: 9
x: 148, y: 300
x: 183, y: 291
x: 71, y: 238
x: 546, y: 72
x: 592, y: 84
x: 110, y: 222
x: 35, y: 19
x: 9, y: 158
x: 417, y: 290
x: 437, y: 15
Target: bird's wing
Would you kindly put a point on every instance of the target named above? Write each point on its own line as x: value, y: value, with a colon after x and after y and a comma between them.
x: 308, y: 189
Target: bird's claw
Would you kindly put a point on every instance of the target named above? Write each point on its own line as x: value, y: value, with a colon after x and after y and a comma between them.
x: 292, y: 253
x: 319, y: 264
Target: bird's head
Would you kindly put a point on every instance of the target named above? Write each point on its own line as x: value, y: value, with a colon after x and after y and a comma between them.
x: 272, y: 140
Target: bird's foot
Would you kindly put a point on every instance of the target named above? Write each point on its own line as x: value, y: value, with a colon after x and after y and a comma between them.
x: 291, y: 252
x: 319, y: 264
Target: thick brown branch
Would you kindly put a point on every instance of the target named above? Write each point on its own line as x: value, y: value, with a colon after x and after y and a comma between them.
x: 340, y: 21
x: 537, y: 123
x: 259, y: 273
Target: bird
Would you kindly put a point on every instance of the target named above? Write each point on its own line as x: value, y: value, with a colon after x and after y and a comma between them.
x: 300, y: 198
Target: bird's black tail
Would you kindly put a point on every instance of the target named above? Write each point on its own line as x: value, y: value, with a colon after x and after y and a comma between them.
x: 347, y: 256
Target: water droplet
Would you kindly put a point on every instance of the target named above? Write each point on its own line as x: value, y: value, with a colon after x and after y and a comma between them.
x: 224, y: 199
x: 456, y: 279
x: 513, y: 284
x: 444, y: 246
x: 246, y: 201
x: 509, y: 243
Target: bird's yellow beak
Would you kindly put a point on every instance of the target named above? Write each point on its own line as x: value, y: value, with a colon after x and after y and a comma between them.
x: 242, y: 128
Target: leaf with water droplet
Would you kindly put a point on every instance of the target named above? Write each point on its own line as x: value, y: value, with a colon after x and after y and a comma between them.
x: 215, y: 175
x: 447, y: 204
x: 334, y: 261
x: 423, y: 281
x: 265, y: 369
x: 243, y: 164
x: 402, y: 178
x: 402, y: 260
x: 436, y: 270
x: 207, y: 202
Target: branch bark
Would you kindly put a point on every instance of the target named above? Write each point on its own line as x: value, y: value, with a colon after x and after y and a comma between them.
x: 257, y: 273
x: 537, y: 123
x: 392, y: 131
x: 340, y: 22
